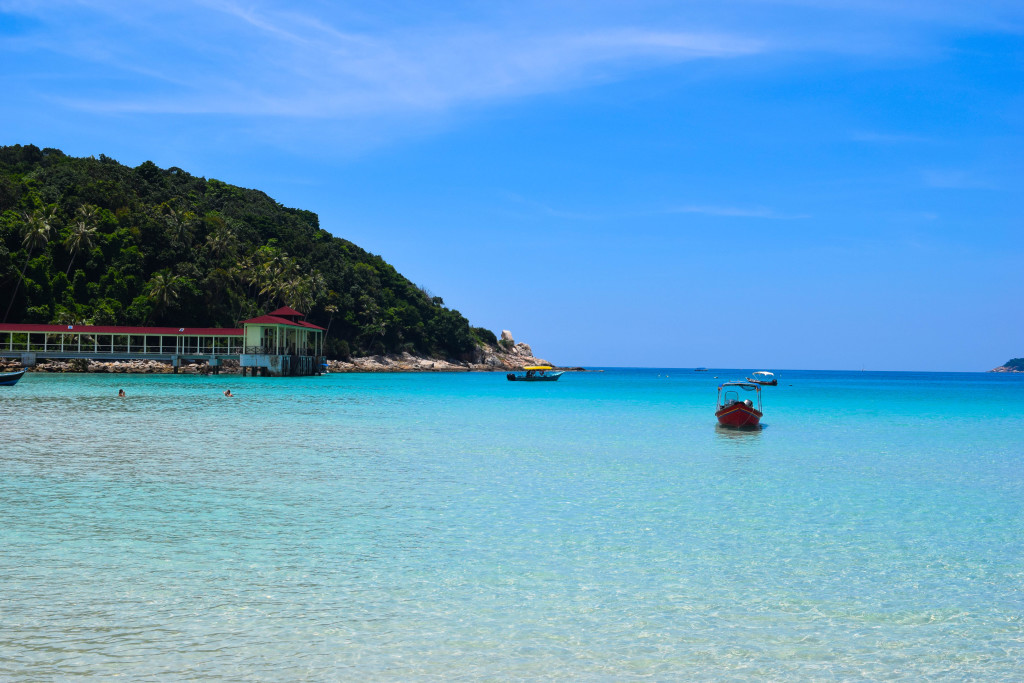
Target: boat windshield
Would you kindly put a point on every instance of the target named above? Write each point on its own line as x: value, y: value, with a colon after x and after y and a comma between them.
x: 729, y: 394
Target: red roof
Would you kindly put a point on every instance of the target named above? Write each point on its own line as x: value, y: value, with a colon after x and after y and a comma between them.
x: 286, y: 312
x: 122, y: 329
x: 270, y: 319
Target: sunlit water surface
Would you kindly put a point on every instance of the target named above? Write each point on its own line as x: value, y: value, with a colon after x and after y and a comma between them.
x: 461, y: 527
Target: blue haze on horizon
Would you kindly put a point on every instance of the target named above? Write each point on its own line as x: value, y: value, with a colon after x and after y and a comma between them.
x: 597, y: 177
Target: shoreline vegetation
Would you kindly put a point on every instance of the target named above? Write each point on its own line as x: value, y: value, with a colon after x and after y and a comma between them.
x: 90, y: 241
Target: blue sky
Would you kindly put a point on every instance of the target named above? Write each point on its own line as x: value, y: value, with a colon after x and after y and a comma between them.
x: 752, y: 183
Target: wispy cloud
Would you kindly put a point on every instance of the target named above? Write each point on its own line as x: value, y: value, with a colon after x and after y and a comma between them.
x: 888, y: 138
x: 1001, y: 15
x: 258, y: 59
x: 547, y: 210
x: 706, y: 210
x: 955, y: 179
x: 737, y: 212
x: 408, y: 66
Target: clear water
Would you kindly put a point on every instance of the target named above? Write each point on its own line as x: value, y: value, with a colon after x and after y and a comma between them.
x: 462, y: 527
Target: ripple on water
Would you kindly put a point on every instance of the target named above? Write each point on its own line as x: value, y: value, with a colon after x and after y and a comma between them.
x: 452, y: 527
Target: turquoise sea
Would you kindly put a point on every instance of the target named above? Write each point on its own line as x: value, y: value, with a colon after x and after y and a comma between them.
x: 462, y: 527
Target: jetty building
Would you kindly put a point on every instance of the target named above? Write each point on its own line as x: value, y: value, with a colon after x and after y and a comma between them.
x: 280, y: 343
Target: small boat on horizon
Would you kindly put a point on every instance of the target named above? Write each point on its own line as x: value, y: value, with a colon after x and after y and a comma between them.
x: 535, y: 373
x: 700, y: 369
x: 9, y: 379
x: 764, y: 378
x: 731, y: 411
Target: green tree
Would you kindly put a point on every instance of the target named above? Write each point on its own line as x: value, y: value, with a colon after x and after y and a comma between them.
x: 331, y: 310
x: 169, y: 243
x: 163, y: 290
x: 222, y: 243
x: 82, y: 234
x: 35, y: 235
x: 179, y: 224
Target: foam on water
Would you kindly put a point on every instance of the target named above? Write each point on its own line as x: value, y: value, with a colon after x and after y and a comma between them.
x: 464, y: 527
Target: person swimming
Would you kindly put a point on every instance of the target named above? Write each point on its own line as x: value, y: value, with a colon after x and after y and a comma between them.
x: 227, y: 392
x: 120, y: 393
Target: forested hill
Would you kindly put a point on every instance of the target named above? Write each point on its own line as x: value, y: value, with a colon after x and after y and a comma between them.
x: 1012, y: 365
x: 90, y: 241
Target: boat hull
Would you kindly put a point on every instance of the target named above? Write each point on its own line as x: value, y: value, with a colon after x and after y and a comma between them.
x: 738, y: 415
x: 9, y: 379
x: 536, y: 378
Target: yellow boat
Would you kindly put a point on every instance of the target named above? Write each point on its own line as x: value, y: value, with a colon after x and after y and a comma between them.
x: 535, y: 373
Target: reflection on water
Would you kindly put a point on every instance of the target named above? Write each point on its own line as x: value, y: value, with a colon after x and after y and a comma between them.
x: 739, y: 434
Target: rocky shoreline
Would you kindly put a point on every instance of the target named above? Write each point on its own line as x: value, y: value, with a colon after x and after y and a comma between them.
x: 506, y: 357
x: 1012, y: 365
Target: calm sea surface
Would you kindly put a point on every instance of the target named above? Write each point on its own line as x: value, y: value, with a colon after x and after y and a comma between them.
x: 461, y: 527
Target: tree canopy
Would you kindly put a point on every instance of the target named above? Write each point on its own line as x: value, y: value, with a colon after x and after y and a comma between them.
x: 89, y: 240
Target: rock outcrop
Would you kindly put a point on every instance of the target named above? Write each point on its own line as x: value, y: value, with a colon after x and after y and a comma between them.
x: 486, y: 358
x: 506, y: 356
x: 1012, y: 365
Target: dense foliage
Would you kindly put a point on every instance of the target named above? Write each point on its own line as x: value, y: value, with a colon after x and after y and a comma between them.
x: 93, y: 241
x: 1015, y: 363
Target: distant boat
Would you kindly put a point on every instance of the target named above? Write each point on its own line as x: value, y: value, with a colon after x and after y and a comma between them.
x: 700, y: 369
x: 9, y: 379
x: 731, y: 411
x: 535, y: 373
x: 764, y: 378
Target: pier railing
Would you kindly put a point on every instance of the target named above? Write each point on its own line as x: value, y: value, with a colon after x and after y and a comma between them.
x: 100, y: 345
x: 304, y: 351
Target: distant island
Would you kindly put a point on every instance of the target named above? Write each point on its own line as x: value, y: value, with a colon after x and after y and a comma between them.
x: 89, y: 241
x: 1012, y: 365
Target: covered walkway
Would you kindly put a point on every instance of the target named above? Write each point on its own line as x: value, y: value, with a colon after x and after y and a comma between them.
x: 278, y: 343
x: 31, y: 343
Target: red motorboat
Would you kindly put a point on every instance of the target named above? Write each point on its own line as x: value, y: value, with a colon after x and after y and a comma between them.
x: 733, y: 412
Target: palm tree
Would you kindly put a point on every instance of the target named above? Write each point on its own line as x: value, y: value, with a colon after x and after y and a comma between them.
x: 222, y: 243
x: 331, y: 310
x: 89, y: 213
x: 280, y: 273
x: 162, y: 289
x: 36, y: 235
x: 179, y: 224
x: 254, y: 269
x: 221, y: 287
x: 297, y: 293
x: 317, y: 288
x: 80, y: 237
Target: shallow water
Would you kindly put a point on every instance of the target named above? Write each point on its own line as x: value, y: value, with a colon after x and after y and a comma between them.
x: 462, y: 527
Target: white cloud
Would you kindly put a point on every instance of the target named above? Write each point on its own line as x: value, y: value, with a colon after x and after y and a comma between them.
x: 737, y: 212
x: 954, y: 179
x: 547, y: 210
x: 246, y: 60
x: 888, y: 138
x: 999, y: 15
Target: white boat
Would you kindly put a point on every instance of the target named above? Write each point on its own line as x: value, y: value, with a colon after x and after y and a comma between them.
x: 764, y: 378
